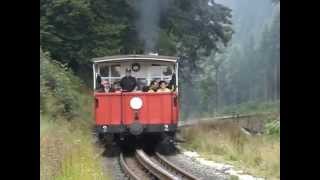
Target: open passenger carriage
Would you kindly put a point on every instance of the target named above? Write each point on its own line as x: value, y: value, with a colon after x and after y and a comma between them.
x: 122, y: 114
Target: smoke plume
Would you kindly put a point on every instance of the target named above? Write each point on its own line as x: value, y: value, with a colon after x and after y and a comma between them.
x: 148, y: 22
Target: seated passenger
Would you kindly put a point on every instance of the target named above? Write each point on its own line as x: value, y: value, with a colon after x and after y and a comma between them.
x: 153, y: 86
x: 145, y: 89
x: 115, y: 87
x: 104, y: 86
x: 163, y: 87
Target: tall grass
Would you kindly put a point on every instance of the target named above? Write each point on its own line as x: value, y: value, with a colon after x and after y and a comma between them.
x: 67, y: 151
x: 225, y: 142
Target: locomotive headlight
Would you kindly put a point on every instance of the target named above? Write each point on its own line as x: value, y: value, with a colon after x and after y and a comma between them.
x: 104, y: 128
x: 136, y: 103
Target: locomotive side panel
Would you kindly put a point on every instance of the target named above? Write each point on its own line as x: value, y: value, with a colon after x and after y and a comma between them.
x: 175, y: 109
x: 156, y: 109
x: 108, y: 109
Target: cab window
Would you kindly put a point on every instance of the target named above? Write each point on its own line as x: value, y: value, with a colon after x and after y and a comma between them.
x: 115, y: 70
x: 142, y: 82
x: 104, y: 70
x: 167, y: 71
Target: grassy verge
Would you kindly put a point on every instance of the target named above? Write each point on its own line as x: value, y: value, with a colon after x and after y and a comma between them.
x: 225, y: 142
x: 68, y: 152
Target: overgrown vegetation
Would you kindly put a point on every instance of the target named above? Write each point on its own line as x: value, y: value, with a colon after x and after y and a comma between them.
x: 251, y: 107
x: 225, y: 142
x: 273, y: 128
x: 66, y: 144
x: 248, y: 70
x: 67, y: 152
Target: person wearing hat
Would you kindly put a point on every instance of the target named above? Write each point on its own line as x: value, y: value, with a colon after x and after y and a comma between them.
x: 128, y: 83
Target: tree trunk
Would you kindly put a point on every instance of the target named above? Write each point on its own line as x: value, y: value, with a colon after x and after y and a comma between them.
x: 266, y: 86
x: 217, y: 88
x: 275, y: 81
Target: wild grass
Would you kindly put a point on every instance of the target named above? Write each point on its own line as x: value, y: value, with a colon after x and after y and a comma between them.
x: 67, y: 152
x: 225, y: 142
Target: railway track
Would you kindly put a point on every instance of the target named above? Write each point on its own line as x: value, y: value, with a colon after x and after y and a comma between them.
x: 156, y: 166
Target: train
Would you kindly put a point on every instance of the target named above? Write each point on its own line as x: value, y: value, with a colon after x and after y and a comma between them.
x: 127, y: 117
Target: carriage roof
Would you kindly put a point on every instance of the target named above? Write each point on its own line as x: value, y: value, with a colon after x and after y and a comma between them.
x: 119, y: 58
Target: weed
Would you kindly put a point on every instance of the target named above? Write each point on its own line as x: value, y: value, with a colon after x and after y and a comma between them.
x: 224, y: 142
x: 233, y: 177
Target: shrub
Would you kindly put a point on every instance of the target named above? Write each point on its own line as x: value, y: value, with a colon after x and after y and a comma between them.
x: 272, y: 127
x: 224, y: 142
x: 59, y: 88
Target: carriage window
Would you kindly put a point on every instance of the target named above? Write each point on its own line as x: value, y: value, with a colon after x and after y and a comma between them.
x: 157, y: 79
x: 104, y: 70
x: 167, y: 71
x: 167, y: 79
x: 115, y: 70
x: 155, y: 71
x: 141, y: 83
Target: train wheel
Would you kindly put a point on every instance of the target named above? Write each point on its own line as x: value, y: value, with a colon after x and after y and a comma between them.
x: 166, y: 145
x: 105, y: 139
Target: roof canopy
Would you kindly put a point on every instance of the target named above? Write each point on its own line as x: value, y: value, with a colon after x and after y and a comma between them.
x: 134, y: 57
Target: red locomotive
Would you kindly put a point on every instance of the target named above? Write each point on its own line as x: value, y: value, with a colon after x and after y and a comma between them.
x: 121, y: 115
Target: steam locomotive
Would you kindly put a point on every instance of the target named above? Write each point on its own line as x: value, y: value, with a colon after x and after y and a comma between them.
x: 125, y: 117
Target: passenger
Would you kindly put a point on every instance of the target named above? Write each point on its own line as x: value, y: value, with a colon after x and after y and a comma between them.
x: 117, y: 86
x: 112, y: 88
x: 153, y: 86
x: 128, y: 83
x: 104, y: 86
x: 163, y: 87
x: 145, y: 89
x: 172, y: 83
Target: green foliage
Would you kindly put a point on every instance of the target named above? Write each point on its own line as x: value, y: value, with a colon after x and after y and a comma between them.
x: 233, y: 177
x: 67, y: 152
x: 59, y: 88
x: 251, y: 107
x: 207, y: 93
x: 76, y: 30
x: 272, y: 127
x: 249, y: 75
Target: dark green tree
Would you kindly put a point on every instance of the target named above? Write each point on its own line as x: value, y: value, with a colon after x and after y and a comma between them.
x: 74, y: 31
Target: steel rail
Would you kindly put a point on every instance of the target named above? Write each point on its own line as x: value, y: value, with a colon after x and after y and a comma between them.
x: 126, y: 169
x: 163, y: 161
x: 154, y: 168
